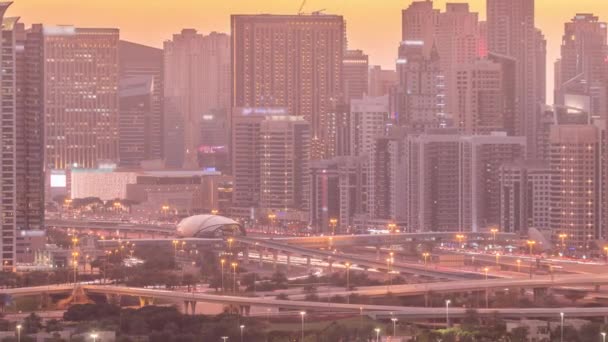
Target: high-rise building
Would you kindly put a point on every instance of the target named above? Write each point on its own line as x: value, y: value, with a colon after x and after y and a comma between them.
x: 29, y: 127
x: 380, y: 81
x: 291, y: 61
x: 578, y: 170
x: 284, y: 163
x: 386, y: 183
x: 338, y: 191
x: 80, y: 95
x: 9, y: 141
x: 512, y: 32
x: 355, y: 65
x: 525, y: 194
x: 196, y: 83
x: 479, y: 98
x: 369, y: 117
x: 418, y: 100
x: 135, y: 61
x: 583, y: 72
x: 270, y: 158
x: 136, y: 120
x: 453, y: 180
x: 453, y: 35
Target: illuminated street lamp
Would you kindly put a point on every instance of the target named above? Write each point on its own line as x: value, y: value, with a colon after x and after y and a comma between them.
x: 603, y: 336
x: 230, y: 240
x: 333, y: 223
x: 222, y: 262
x: 460, y: 239
x: 377, y: 330
x: 214, y: 211
x: 531, y: 244
x: 175, y: 243
x: 518, y: 265
x: 94, y: 336
x: 497, y: 258
x: 302, y: 314
x: 561, y: 337
x: 392, y: 227
x: 19, y: 327
x: 234, y: 265
x: 242, y: 327
x: 494, y: 231
x: 486, y: 271
x: 447, y: 312
x: 563, y: 237
x: 426, y: 256
x: 394, y: 320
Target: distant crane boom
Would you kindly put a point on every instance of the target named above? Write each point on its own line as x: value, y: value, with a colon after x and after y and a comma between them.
x: 302, y: 6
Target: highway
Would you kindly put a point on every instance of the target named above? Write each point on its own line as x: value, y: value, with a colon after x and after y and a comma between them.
x: 359, y: 260
x: 475, y: 285
x: 377, y: 311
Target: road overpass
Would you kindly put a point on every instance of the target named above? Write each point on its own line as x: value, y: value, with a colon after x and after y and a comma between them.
x: 112, y: 227
x: 361, y: 261
x: 378, y: 311
x: 594, y: 281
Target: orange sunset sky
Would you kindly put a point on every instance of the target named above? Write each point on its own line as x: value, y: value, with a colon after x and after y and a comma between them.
x: 372, y: 25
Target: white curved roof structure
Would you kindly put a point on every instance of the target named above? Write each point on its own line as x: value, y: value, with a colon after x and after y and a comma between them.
x: 208, y: 225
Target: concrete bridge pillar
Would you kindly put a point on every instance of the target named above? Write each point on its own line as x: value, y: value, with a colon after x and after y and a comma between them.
x: 377, y: 252
x: 331, y: 266
x: 189, y: 307
x: 275, y: 259
x: 288, y: 262
x: 140, y: 236
x: 597, y: 288
x: 246, y: 256
x: 426, y: 299
x: 145, y: 301
x: 113, y: 299
x: 308, y: 265
x: 538, y: 292
x: 244, y: 310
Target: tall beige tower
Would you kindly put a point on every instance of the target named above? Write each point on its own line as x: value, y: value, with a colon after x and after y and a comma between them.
x: 197, y: 83
x: 80, y: 95
x: 291, y: 61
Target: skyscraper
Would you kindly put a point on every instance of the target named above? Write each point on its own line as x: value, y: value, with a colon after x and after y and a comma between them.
x: 9, y: 141
x: 80, y: 95
x: 137, y: 120
x: 452, y: 35
x: 134, y: 62
x: 196, y: 83
x: 583, y: 72
x: 369, y: 117
x: 453, y: 180
x: 576, y: 188
x: 271, y: 155
x: 512, y: 32
x: 354, y: 75
x: 291, y: 61
x: 418, y: 100
x: 380, y: 81
x: 30, y: 128
x: 479, y: 98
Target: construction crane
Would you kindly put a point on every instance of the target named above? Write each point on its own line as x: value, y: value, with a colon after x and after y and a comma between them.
x: 301, y: 7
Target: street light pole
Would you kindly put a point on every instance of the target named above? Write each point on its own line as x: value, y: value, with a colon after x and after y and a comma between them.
x: 94, y: 337
x: 377, y: 330
x: 234, y: 265
x: 19, y: 332
x: 302, y: 314
x: 447, y: 313
x: 603, y: 336
x: 394, y: 326
x: 242, y: 327
x: 223, y: 261
x: 561, y: 338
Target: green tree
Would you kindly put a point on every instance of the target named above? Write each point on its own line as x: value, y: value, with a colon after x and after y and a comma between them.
x: 32, y: 324
x: 574, y: 295
x: 519, y: 334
